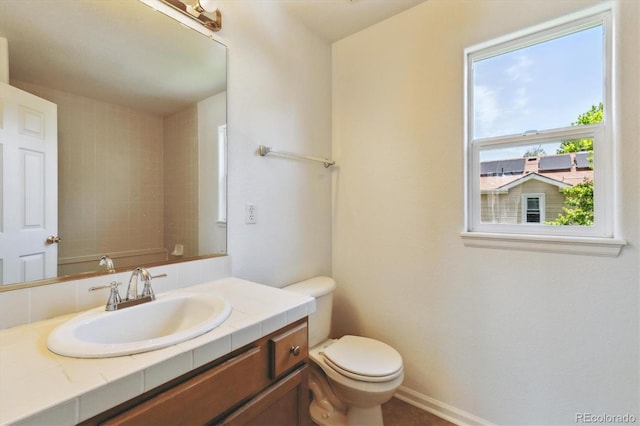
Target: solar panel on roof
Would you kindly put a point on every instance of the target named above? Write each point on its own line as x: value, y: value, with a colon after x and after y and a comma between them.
x: 582, y: 160
x: 555, y: 162
x: 502, y: 167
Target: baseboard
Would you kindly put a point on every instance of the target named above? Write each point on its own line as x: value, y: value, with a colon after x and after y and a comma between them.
x: 440, y: 409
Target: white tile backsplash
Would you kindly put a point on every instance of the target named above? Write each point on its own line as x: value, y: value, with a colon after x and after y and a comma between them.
x: 189, y: 273
x: 28, y: 305
x: 215, y: 269
x: 53, y: 300
x: 15, y: 308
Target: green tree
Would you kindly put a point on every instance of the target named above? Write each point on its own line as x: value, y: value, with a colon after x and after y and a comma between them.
x: 578, y: 201
x: 578, y: 205
x: 594, y: 115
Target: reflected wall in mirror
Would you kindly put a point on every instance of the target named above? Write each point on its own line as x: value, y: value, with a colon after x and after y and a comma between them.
x: 141, y: 138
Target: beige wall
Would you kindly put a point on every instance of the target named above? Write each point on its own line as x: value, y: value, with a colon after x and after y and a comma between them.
x: 279, y: 94
x: 110, y: 178
x: 181, y: 180
x: 512, y: 337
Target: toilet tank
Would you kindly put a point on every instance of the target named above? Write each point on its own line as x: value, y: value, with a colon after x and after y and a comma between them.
x: 321, y: 288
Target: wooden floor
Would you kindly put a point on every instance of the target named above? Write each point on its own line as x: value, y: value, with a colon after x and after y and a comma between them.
x: 399, y: 413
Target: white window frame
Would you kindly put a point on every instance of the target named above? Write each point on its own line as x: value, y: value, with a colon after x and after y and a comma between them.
x: 598, y: 239
x: 525, y: 207
x: 222, y: 175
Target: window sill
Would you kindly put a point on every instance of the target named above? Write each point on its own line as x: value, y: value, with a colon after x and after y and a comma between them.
x: 608, y: 247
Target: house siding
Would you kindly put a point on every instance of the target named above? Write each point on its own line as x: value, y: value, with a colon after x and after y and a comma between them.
x: 507, y: 207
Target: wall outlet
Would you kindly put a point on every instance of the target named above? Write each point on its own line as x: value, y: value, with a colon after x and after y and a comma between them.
x: 251, y: 214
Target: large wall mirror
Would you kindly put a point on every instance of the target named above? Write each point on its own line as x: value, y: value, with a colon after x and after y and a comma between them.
x: 139, y: 126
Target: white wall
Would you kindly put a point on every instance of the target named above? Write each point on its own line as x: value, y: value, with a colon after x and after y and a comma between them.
x: 279, y: 91
x: 511, y: 337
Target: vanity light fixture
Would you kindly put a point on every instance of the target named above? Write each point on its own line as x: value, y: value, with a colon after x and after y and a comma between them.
x: 196, y: 9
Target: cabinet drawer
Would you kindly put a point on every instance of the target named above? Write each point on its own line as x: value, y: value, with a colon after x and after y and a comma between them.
x: 288, y: 349
x: 202, y: 398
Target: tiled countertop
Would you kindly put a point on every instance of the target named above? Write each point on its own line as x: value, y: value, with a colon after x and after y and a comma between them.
x: 40, y: 387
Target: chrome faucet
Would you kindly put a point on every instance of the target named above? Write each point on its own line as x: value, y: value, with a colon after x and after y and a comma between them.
x: 114, y: 297
x: 147, y: 292
x: 132, y: 298
x: 106, y: 261
x: 132, y: 288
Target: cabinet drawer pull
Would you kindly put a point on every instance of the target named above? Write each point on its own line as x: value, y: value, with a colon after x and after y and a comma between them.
x: 295, y: 350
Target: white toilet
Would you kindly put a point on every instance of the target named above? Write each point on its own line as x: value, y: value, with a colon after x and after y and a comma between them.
x: 350, y: 377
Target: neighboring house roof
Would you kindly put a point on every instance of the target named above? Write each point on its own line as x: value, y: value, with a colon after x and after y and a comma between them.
x: 561, y: 170
x: 524, y: 178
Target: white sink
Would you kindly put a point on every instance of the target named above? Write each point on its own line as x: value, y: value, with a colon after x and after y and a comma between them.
x: 170, y: 319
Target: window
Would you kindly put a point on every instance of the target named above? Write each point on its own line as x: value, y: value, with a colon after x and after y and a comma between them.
x: 538, y: 140
x: 222, y: 174
x: 533, y: 208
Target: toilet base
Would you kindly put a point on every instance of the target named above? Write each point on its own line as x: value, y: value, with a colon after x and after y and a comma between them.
x: 325, y: 409
x: 326, y: 416
x: 370, y: 416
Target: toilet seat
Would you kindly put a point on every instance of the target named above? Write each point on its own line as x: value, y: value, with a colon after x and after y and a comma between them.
x: 363, y: 359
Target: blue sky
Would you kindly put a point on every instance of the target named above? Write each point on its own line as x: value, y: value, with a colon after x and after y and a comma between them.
x: 543, y: 86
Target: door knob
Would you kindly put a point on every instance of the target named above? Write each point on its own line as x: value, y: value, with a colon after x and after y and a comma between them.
x: 51, y: 239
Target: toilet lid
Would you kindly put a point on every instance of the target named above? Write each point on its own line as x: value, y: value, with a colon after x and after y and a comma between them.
x: 363, y: 358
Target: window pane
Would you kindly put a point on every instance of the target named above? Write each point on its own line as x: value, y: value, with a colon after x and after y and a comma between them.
x: 533, y: 210
x: 543, y: 86
x: 533, y: 217
x: 565, y: 178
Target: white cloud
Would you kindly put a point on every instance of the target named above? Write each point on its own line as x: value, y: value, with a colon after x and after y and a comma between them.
x: 520, y: 71
x: 486, y: 110
x: 503, y: 107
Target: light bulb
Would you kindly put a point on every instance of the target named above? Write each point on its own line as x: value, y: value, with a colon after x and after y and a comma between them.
x: 208, y: 5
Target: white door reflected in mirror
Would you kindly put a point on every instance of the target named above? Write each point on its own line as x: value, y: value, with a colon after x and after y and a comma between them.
x: 29, y: 193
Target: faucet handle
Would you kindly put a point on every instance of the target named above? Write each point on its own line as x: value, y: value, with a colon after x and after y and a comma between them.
x: 147, y: 290
x: 114, y: 295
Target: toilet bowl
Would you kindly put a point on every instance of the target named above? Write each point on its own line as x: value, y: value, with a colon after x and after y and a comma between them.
x: 350, y: 377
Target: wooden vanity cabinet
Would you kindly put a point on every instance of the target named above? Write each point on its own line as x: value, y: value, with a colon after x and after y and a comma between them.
x: 263, y: 383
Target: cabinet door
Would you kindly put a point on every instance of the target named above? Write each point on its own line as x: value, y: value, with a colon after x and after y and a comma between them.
x: 285, y: 403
